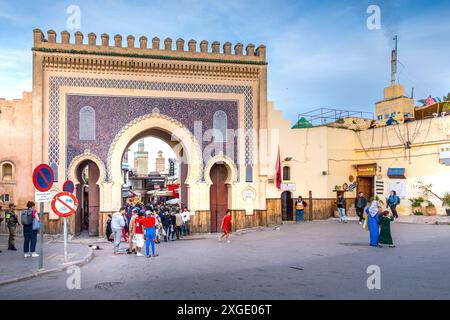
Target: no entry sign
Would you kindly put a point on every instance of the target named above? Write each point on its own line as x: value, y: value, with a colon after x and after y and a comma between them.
x: 64, y: 204
x: 43, y: 177
x: 69, y: 186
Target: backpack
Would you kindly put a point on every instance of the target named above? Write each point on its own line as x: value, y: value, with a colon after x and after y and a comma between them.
x: 27, y: 218
x: 398, y: 200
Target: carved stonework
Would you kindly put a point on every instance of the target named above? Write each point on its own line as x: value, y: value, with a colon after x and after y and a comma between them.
x: 146, y: 117
x: 87, y: 155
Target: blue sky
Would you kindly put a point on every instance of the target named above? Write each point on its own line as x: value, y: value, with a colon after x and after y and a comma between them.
x: 320, y: 53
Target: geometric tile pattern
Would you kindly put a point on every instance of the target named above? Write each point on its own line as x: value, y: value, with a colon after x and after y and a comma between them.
x: 56, y: 82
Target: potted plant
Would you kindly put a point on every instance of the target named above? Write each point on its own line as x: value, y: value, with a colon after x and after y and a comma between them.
x: 430, y: 209
x: 446, y: 202
x: 416, y: 204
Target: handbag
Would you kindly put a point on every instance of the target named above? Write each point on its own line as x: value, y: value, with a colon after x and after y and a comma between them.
x: 36, y: 224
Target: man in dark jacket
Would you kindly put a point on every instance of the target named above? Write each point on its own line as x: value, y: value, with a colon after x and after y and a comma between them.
x: 165, y: 220
x: 360, y: 204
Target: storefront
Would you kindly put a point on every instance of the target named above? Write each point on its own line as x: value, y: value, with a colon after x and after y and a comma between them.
x: 365, y: 179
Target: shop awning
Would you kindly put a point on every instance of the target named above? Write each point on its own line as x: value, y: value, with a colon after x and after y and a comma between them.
x: 396, y: 173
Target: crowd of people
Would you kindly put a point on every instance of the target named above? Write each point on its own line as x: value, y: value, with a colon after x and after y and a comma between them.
x: 147, y: 225
x: 376, y: 220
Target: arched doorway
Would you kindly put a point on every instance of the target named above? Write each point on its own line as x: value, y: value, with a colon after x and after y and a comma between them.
x: 88, y: 195
x: 218, y: 195
x: 286, y: 206
x: 150, y: 172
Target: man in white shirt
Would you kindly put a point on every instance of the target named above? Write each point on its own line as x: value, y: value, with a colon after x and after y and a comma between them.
x: 186, y: 218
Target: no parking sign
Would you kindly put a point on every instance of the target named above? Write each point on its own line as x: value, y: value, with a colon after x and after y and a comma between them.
x: 64, y: 204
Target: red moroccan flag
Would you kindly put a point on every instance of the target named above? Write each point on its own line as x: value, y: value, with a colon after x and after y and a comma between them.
x: 278, y: 169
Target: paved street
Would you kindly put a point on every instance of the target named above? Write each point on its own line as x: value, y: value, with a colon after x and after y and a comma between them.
x: 318, y: 260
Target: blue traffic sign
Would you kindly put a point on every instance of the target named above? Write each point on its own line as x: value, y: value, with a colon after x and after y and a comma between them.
x: 69, y: 186
x: 43, y: 177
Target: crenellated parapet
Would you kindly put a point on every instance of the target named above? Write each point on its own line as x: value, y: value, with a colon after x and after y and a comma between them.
x: 170, y: 49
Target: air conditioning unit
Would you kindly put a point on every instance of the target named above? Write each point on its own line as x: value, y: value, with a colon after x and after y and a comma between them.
x: 444, y: 155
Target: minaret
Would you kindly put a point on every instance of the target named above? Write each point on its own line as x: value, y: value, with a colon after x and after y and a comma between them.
x: 160, y: 163
x: 141, y: 159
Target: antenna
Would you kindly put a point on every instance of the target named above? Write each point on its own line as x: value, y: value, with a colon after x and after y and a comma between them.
x: 394, y: 61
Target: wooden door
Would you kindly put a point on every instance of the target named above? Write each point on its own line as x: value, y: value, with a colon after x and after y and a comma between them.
x: 94, y: 200
x: 218, y: 196
x: 365, y: 185
x: 286, y: 206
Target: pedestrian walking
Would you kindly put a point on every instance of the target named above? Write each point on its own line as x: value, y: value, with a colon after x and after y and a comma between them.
x: 173, y: 224
x: 139, y: 235
x: 385, y: 232
x: 165, y: 219
x: 226, y: 226
x: 29, y: 219
x: 1, y: 220
x: 360, y: 205
x: 117, y: 225
x: 108, y: 230
x: 11, y: 222
x: 373, y: 219
x: 300, y: 206
x: 341, y: 204
x: 392, y: 202
x: 132, y: 231
x: 186, y: 219
x: 158, y: 226
x: 178, y: 224
x: 150, y: 234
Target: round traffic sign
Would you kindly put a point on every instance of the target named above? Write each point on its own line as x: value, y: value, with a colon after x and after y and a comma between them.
x: 69, y: 186
x: 64, y: 204
x: 43, y: 177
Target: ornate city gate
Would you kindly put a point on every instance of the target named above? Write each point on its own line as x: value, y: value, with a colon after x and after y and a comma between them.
x: 91, y: 101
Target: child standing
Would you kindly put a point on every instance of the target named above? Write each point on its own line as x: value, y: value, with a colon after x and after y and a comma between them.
x: 385, y: 233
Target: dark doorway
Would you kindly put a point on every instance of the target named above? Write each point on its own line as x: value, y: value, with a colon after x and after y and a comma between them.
x: 365, y: 185
x: 88, y: 194
x: 218, y: 195
x: 287, y: 206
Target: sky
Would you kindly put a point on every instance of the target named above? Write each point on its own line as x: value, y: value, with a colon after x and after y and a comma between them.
x: 319, y: 53
x: 152, y: 146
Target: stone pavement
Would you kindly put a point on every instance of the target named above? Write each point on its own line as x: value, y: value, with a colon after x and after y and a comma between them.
x: 444, y: 220
x: 313, y: 260
x: 14, y: 267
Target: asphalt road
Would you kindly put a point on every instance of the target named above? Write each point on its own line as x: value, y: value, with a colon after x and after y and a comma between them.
x: 316, y: 260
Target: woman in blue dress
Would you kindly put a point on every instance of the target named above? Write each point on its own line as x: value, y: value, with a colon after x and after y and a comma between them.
x: 373, y: 221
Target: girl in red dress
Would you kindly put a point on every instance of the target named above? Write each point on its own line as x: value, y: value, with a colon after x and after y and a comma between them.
x: 226, y: 226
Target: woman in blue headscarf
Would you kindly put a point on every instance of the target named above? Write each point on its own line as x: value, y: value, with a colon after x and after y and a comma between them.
x: 373, y: 221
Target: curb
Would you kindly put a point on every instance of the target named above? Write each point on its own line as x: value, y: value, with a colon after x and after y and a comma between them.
x: 63, y: 267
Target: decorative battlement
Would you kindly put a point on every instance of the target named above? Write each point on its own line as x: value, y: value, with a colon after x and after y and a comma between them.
x: 168, y: 51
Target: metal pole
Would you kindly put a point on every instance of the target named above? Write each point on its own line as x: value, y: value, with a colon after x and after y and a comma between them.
x: 65, y: 239
x: 41, y: 233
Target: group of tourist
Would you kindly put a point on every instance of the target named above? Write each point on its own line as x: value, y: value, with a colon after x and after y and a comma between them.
x: 149, y: 225
x: 360, y: 204
x: 30, y: 222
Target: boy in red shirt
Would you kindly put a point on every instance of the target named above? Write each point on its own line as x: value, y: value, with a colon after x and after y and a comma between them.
x: 226, y: 226
x: 150, y: 234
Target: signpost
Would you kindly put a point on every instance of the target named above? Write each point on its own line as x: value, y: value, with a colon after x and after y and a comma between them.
x: 64, y: 204
x: 43, y: 181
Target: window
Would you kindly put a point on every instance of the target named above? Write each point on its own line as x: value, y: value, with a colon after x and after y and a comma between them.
x: 220, y: 126
x: 286, y: 173
x: 380, y: 117
x: 87, y: 123
x: 7, y: 171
